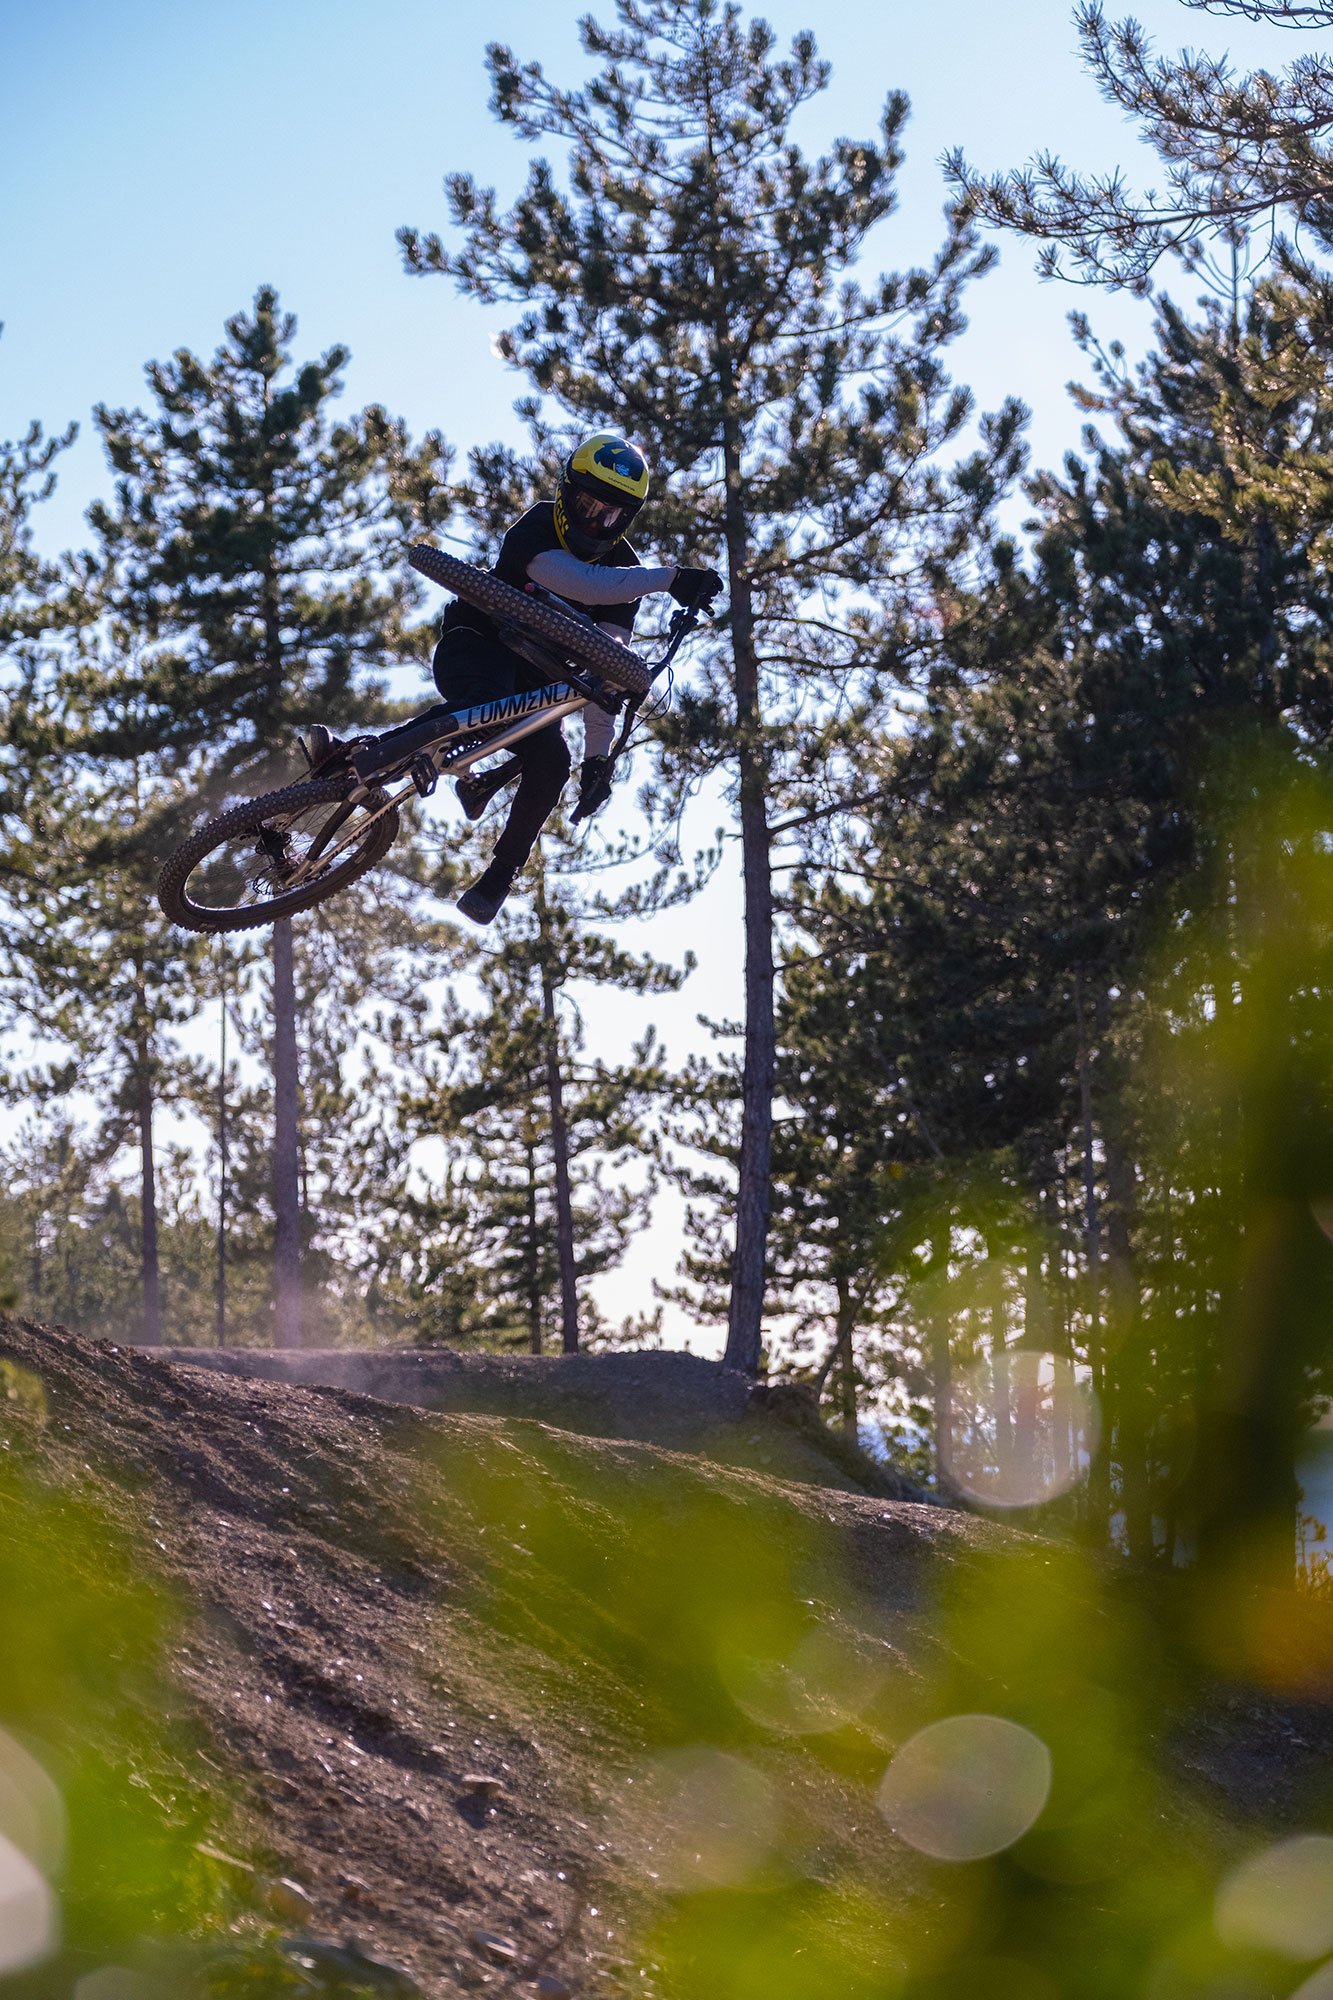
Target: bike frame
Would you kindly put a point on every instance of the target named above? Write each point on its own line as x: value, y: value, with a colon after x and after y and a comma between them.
x: 511, y: 717
x: 522, y: 713
x: 506, y: 720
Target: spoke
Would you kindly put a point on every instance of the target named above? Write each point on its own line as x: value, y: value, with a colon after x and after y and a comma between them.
x: 352, y: 838
x: 284, y: 854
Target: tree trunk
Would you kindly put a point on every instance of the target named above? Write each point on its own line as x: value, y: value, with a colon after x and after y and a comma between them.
x: 220, y: 1285
x: 1001, y: 1382
x: 1036, y: 1319
x: 754, y: 1167
x: 1128, y: 1388
x: 152, y: 1299
x: 36, y: 1265
x: 530, y: 1260
x: 555, y: 1091
x: 286, y: 1147
x: 844, y: 1365
x: 1099, y: 1473
x: 1272, y: 1338
x: 753, y: 1193
x: 1272, y: 1324
x: 940, y: 1359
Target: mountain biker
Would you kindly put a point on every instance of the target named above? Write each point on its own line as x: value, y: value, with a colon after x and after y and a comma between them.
x: 575, y: 547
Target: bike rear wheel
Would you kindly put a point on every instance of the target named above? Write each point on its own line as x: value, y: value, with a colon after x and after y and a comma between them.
x: 577, y: 638
x: 273, y: 856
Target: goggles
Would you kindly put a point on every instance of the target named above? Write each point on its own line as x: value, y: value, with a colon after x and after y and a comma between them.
x: 601, y: 517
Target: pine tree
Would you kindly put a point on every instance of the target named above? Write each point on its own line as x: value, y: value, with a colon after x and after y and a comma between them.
x: 248, y: 542
x: 34, y: 609
x: 1101, y: 823
x: 693, y: 287
x: 1241, y: 152
x: 1226, y: 502
x: 27, y: 478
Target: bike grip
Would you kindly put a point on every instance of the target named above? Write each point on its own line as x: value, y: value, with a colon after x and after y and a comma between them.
x: 433, y: 563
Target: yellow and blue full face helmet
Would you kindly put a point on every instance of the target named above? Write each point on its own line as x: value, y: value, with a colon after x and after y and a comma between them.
x: 602, y: 487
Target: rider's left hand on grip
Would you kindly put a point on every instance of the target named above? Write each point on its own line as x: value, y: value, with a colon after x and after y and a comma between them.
x: 695, y: 588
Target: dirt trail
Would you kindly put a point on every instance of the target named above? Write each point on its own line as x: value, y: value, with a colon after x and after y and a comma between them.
x: 343, y: 1681
x: 348, y: 1682
x: 666, y: 1398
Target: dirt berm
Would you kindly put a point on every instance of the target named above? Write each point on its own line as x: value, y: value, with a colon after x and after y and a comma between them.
x: 680, y: 1401
x: 382, y: 1604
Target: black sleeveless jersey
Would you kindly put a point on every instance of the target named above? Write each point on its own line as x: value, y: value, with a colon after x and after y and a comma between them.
x: 532, y: 535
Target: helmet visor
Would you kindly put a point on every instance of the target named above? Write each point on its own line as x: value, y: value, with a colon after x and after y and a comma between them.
x: 603, y: 518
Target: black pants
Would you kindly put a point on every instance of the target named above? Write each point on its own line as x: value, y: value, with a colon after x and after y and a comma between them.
x: 468, y: 669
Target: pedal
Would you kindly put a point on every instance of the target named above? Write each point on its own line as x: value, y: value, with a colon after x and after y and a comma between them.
x: 423, y: 773
x: 476, y: 792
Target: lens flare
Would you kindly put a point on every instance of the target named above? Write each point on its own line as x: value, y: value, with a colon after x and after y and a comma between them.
x: 700, y: 1819
x: 822, y: 1684
x: 1022, y: 1429
x: 32, y: 1812
x: 1280, y: 1900
x: 112, y: 1982
x: 966, y: 1787
x: 29, y: 1919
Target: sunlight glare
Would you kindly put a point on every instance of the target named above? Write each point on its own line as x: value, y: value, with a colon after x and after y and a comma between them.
x: 1281, y: 1899
x: 1022, y: 1430
x: 32, y: 1812
x: 29, y: 1920
x: 823, y: 1684
x: 966, y: 1787
x: 709, y: 1818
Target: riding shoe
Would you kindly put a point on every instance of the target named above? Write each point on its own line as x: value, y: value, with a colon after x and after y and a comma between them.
x: 595, y: 776
x: 485, y: 899
x: 321, y: 748
x: 475, y: 792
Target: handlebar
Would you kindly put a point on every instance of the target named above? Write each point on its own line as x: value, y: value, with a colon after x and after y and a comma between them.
x: 682, y: 624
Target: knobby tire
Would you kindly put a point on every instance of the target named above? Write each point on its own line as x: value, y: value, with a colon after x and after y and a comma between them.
x: 575, y: 636
x: 250, y: 817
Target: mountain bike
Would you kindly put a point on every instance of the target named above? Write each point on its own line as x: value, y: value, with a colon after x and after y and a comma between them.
x: 269, y: 857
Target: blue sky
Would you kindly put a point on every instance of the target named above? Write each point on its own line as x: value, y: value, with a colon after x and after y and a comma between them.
x: 159, y: 161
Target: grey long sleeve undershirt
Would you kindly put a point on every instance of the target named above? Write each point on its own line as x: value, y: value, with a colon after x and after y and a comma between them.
x: 590, y: 583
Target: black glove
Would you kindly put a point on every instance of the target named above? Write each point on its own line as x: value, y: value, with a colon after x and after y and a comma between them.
x: 695, y: 587
x: 595, y: 780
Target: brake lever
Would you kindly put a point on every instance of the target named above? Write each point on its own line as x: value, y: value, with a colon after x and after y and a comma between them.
x: 683, y: 622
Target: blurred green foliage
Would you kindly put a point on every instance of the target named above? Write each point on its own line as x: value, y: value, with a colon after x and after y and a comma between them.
x: 743, y: 1679
x: 100, y: 1790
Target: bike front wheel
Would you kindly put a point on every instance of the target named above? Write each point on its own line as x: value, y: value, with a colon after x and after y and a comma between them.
x: 559, y: 625
x: 273, y: 856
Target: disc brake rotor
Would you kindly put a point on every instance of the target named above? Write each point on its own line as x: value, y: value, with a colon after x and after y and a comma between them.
x: 256, y: 866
